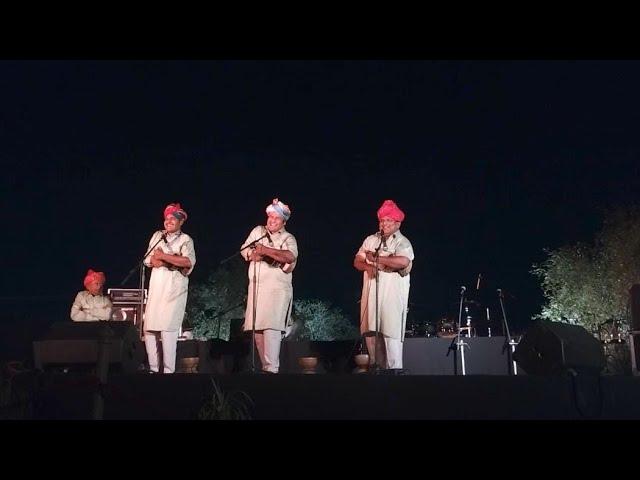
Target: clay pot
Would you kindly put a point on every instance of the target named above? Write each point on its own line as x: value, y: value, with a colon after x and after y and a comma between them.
x: 308, y: 364
x: 362, y: 362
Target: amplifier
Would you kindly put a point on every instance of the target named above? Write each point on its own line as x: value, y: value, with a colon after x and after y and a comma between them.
x: 125, y: 313
x: 127, y: 296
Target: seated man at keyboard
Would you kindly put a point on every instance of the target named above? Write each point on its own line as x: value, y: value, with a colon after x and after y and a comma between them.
x: 90, y: 304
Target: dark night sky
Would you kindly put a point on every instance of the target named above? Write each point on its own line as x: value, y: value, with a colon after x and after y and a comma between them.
x: 492, y: 161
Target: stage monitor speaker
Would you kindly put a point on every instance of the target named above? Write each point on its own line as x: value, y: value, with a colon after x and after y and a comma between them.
x: 68, y: 343
x: 551, y: 348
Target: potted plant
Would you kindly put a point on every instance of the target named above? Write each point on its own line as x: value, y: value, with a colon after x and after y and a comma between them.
x: 308, y: 364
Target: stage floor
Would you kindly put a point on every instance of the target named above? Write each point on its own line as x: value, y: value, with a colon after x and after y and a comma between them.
x: 349, y: 397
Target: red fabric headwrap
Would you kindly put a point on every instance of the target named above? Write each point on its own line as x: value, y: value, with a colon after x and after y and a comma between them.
x: 91, y: 276
x: 176, y: 210
x: 390, y: 209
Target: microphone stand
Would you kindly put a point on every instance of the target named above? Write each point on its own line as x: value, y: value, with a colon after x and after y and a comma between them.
x: 255, y: 294
x: 140, y: 264
x: 248, y: 245
x: 509, y: 343
x: 457, y: 340
x: 141, y: 261
x: 375, y: 367
x: 253, y: 319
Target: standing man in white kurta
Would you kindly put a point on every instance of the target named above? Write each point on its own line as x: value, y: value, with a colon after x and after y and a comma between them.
x: 392, y: 252
x: 172, y: 262
x: 272, y: 259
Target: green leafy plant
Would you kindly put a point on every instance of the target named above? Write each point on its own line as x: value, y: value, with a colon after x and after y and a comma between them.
x: 588, y: 283
x: 212, y: 304
x: 221, y: 405
x: 318, y: 320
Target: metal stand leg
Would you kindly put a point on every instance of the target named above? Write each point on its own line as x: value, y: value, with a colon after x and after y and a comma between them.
x: 513, y: 344
x: 632, y: 351
x: 461, y: 344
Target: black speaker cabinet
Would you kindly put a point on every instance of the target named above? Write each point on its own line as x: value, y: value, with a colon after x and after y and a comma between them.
x: 550, y: 348
x: 68, y: 343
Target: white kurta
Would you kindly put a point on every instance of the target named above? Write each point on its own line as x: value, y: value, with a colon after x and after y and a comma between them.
x: 90, y: 308
x: 168, y: 287
x: 274, y: 287
x: 393, y: 291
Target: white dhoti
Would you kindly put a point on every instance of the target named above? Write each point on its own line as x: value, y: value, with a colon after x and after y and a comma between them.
x: 268, y: 344
x: 169, y: 347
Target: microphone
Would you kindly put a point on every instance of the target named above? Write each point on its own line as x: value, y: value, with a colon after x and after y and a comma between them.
x: 381, y: 235
x: 478, y: 283
x: 463, y: 289
x: 265, y: 235
x: 257, y: 240
x: 499, y: 292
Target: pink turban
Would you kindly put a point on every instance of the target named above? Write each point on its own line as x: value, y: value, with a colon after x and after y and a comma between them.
x: 390, y: 209
x: 176, y: 210
x: 280, y: 208
x: 91, y: 276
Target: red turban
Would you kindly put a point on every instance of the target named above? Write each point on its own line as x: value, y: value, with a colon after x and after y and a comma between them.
x: 91, y: 276
x: 176, y: 210
x: 390, y: 209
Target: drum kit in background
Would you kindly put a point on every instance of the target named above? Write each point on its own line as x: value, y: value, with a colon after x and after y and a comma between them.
x: 476, y: 321
x: 610, y: 332
x: 478, y: 312
x: 473, y: 315
x: 613, y: 335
